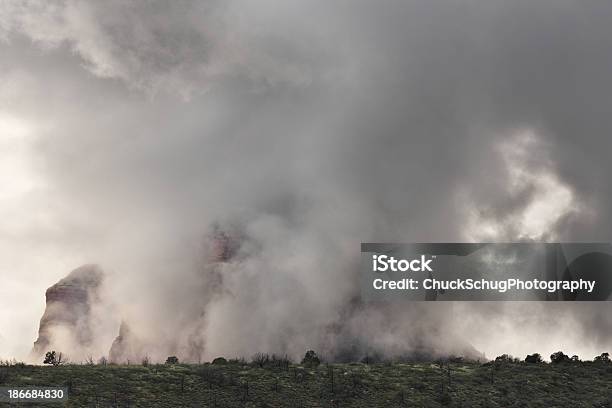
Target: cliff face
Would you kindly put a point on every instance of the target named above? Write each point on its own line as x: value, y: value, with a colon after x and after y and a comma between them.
x: 67, y: 320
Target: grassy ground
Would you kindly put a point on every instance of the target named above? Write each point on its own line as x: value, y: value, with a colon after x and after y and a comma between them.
x: 337, y: 385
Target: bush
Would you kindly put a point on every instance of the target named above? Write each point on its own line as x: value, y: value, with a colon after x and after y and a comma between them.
x: 602, y: 358
x: 311, y: 359
x: 172, y: 360
x: 219, y: 361
x: 505, y: 358
x: 559, y: 357
x: 54, y: 359
x: 534, y: 358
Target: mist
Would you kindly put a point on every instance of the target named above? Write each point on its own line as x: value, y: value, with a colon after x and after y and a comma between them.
x: 129, y: 130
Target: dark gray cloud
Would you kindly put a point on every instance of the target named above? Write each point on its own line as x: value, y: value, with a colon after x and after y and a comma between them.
x: 314, y: 126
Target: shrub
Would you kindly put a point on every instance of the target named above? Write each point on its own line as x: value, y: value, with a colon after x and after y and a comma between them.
x: 602, y: 358
x: 505, y: 358
x: 311, y: 359
x: 54, y: 359
x: 534, y: 358
x: 172, y: 360
x: 559, y: 357
x: 219, y: 361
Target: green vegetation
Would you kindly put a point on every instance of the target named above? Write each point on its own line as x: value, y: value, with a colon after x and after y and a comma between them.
x: 274, y: 382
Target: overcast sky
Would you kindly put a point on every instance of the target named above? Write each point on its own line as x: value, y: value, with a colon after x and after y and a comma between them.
x: 127, y: 129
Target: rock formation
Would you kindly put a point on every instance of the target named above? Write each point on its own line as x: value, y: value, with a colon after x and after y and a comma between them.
x: 67, y: 320
x: 220, y: 247
x: 126, y: 347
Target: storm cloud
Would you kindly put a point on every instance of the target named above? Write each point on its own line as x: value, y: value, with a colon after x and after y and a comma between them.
x: 128, y: 129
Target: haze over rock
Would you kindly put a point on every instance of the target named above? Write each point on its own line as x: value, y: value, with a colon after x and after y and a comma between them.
x: 220, y: 247
x: 68, y: 323
x: 80, y: 321
x: 126, y: 346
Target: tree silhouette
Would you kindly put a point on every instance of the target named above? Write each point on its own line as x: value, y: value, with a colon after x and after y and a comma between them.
x: 534, y: 358
x: 53, y: 358
x: 559, y: 357
x: 311, y: 359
